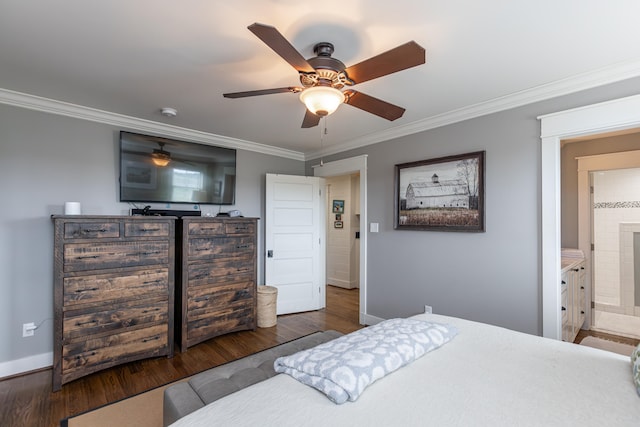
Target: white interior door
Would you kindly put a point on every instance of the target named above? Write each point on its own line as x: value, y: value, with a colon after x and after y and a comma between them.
x: 294, y: 241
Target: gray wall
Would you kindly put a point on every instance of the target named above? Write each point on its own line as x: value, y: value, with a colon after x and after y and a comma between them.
x: 46, y: 160
x: 493, y: 277
x: 569, y: 176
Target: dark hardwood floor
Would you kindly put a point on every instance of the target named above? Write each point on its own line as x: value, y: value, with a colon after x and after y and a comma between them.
x: 27, y: 400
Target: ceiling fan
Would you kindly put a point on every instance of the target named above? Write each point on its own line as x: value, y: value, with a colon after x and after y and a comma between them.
x: 324, y: 77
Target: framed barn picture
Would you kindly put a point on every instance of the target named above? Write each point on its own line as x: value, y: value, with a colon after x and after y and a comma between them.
x: 443, y: 194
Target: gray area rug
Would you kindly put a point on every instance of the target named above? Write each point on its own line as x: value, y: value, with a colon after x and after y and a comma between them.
x: 602, y: 344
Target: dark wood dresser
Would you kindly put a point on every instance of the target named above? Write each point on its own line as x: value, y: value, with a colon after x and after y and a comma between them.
x: 113, y: 292
x: 216, y: 284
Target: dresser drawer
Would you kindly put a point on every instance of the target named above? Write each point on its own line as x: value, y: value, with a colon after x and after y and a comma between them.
x: 214, y: 323
x: 96, y: 288
x: 205, y: 299
x: 96, y: 256
x: 240, y: 227
x: 213, y: 247
x: 229, y: 269
x: 91, y: 230
x: 82, y: 323
x: 150, y: 229
x: 94, y: 354
x: 208, y: 228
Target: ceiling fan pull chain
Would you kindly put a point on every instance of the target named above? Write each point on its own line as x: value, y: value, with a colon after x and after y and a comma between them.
x: 323, y: 132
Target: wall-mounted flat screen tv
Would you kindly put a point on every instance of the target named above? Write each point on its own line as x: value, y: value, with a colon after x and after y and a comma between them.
x: 155, y: 169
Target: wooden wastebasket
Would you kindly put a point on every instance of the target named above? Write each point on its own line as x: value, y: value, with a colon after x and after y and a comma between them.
x: 267, y: 298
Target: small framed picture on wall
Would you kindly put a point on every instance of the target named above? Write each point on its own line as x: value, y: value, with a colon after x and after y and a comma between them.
x: 337, y: 224
x: 338, y: 206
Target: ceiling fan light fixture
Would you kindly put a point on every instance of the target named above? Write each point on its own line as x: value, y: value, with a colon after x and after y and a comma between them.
x: 159, y: 157
x: 322, y: 100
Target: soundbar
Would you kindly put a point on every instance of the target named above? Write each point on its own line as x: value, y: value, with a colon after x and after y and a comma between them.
x: 164, y: 212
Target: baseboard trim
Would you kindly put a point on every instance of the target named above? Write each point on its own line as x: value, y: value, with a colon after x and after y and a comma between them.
x: 368, y: 319
x: 26, y: 364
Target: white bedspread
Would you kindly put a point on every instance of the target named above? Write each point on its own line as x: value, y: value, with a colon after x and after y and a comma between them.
x: 486, y: 376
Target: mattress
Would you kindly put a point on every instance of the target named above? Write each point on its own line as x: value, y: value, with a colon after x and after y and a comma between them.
x: 485, y: 376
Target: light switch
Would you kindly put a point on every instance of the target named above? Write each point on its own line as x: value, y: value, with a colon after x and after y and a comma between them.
x: 373, y: 227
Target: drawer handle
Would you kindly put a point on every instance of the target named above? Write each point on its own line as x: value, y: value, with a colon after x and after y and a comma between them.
x: 200, y: 299
x: 564, y: 308
x: 93, y: 353
x: 151, y: 339
x: 88, y: 230
x: 201, y: 249
x: 243, y: 246
x: 242, y: 269
x: 242, y: 228
x: 91, y: 322
x: 149, y: 230
x: 151, y: 311
x: 152, y: 282
x: 208, y: 228
x: 79, y: 291
x: 201, y: 276
x: 89, y: 257
x: 149, y: 253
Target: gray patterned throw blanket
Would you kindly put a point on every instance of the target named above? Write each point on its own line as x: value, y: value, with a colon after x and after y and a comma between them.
x: 344, y: 367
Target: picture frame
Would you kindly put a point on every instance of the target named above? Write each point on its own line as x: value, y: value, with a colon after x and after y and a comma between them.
x: 441, y: 194
x: 338, y: 217
x: 338, y: 224
x: 139, y: 175
x: 338, y: 206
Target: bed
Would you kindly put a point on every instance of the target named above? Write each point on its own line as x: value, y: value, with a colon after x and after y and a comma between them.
x: 485, y: 376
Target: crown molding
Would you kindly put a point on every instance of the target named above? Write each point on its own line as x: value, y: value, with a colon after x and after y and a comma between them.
x: 600, y: 77
x: 32, y: 102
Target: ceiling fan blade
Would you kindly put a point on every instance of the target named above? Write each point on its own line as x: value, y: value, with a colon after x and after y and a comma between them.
x: 291, y: 89
x: 373, y: 105
x: 400, y: 58
x: 276, y: 41
x: 310, y: 120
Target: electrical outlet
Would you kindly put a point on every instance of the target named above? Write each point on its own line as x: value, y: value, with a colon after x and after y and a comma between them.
x: 28, y: 329
x: 428, y: 309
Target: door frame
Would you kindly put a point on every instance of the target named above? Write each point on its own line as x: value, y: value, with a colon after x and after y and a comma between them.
x: 605, y: 117
x: 348, y: 166
x: 587, y: 165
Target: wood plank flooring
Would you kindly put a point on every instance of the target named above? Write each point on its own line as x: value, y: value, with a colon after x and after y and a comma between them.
x: 27, y: 400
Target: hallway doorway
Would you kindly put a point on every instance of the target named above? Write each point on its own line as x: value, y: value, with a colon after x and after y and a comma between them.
x: 343, y: 231
x: 350, y: 166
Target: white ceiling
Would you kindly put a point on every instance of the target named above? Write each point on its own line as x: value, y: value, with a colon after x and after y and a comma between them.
x: 135, y: 57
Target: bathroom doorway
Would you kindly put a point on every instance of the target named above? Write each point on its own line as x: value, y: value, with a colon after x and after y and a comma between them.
x: 615, y: 214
